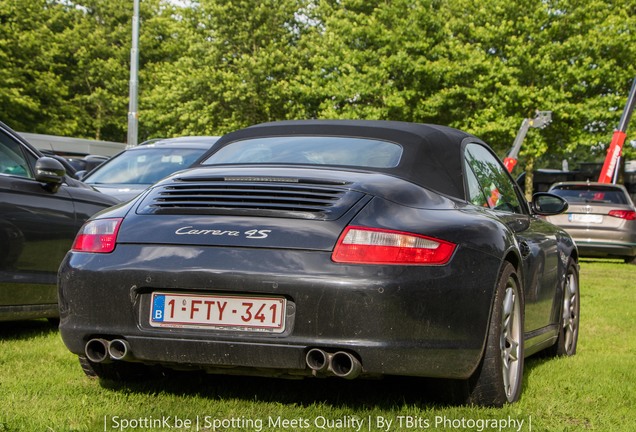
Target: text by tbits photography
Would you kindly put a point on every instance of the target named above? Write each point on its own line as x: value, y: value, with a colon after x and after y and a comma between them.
x: 372, y: 423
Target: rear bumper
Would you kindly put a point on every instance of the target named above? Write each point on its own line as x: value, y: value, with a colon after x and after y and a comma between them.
x: 263, y: 358
x: 412, y: 321
x: 601, y: 240
x: 591, y: 248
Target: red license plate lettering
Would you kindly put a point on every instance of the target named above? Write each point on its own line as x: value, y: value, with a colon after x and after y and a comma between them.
x: 223, y: 312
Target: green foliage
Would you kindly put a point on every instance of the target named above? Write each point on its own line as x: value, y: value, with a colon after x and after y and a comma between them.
x: 98, y: 47
x: 372, y: 59
x: 211, y: 66
x: 32, y: 89
x: 234, y: 69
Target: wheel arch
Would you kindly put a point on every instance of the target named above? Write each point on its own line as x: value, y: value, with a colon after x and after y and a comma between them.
x: 513, y: 259
x: 509, y: 258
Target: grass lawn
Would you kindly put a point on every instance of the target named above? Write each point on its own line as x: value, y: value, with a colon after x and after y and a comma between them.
x: 42, y: 387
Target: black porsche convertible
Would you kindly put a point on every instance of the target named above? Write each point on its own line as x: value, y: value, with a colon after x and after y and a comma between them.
x: 328, y: 248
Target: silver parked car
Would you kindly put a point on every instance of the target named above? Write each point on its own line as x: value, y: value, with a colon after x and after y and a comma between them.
x: 601, y: 219
x: 133, y: 170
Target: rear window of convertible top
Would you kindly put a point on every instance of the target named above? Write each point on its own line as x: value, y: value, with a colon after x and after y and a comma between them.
x: 310, y: 150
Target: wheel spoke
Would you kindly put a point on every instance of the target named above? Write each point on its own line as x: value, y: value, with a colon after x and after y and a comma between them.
x: 570, y: 318
x: 508, y: 342
x: 506, y: 379
x: 508, y: 303
x: 568, y: 340
x: 513, y: 352
x: 567, y: 310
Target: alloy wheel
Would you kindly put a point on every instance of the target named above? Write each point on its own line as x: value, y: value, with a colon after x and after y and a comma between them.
x: 510, y: 340
x: 571, y: 313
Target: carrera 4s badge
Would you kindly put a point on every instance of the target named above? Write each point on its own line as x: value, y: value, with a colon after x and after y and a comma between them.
x: 250, y: 234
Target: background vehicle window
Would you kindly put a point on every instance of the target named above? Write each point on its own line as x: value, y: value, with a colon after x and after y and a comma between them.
x: 12, y: 159
x: 591, y: 194
x: 495, y: 184
x: 143, y: 166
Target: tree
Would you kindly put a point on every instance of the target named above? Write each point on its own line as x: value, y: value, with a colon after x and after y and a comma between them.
x: 98, y: 44
x: 567, y: 56
x: 33, y: 93
x: 212, y: 66
x: 371, y: 59
x: 238, y: 58
x: 579, y: 63
x: 65, y: 64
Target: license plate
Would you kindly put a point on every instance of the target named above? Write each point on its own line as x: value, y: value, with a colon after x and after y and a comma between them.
x: 585, y: 218
x: 239, y: 313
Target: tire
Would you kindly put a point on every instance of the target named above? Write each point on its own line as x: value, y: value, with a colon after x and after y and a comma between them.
x: 119, y: 371
x: 630, y: 260
x: 498, y: 378
x: 570, y: 315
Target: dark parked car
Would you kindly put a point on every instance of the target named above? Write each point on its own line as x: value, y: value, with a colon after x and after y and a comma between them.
x: 128, y: 173
x: 601, y: 219
x: 329, y: 248
x: 85, y: 164
x: 41, y: 210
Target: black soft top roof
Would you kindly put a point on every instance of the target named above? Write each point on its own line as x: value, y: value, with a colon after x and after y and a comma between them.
x: 432, y: 154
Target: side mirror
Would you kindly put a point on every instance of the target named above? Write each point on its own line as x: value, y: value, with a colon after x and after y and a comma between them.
x: 50, y: 172
x: 547, y: 204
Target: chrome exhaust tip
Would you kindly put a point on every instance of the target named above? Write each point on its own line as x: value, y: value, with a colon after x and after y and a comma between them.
x: 345, y: 365
x: 318, y: 360
x: 96, y: 350
x: 119, y: 349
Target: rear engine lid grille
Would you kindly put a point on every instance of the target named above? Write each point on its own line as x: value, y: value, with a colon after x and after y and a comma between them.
x: 255, y: 196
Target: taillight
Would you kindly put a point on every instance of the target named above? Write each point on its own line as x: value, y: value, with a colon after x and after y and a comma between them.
x: 362, y: 245
x: 623, y: 214
x: 97, y: 236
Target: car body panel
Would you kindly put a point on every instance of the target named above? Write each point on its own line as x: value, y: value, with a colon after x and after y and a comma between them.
x: 266, y: 229
x: 341, y: 297
x: 37, y: 228
x: 544, y: 266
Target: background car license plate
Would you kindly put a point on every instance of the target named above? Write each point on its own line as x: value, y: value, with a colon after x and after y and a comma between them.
x: 585, y: 218
x: 242, y: 313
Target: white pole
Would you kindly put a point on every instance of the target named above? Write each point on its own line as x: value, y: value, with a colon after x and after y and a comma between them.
x: 133, y: 116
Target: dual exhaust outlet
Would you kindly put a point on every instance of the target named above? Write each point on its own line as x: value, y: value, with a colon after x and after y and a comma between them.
x: 341, y: 363
x: 104, y: 351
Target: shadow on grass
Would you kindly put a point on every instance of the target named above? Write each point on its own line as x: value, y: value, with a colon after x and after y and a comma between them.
x: 385, y: 393
x: 23, y: 330
x: 389, y: 392
x: 602, y: 260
